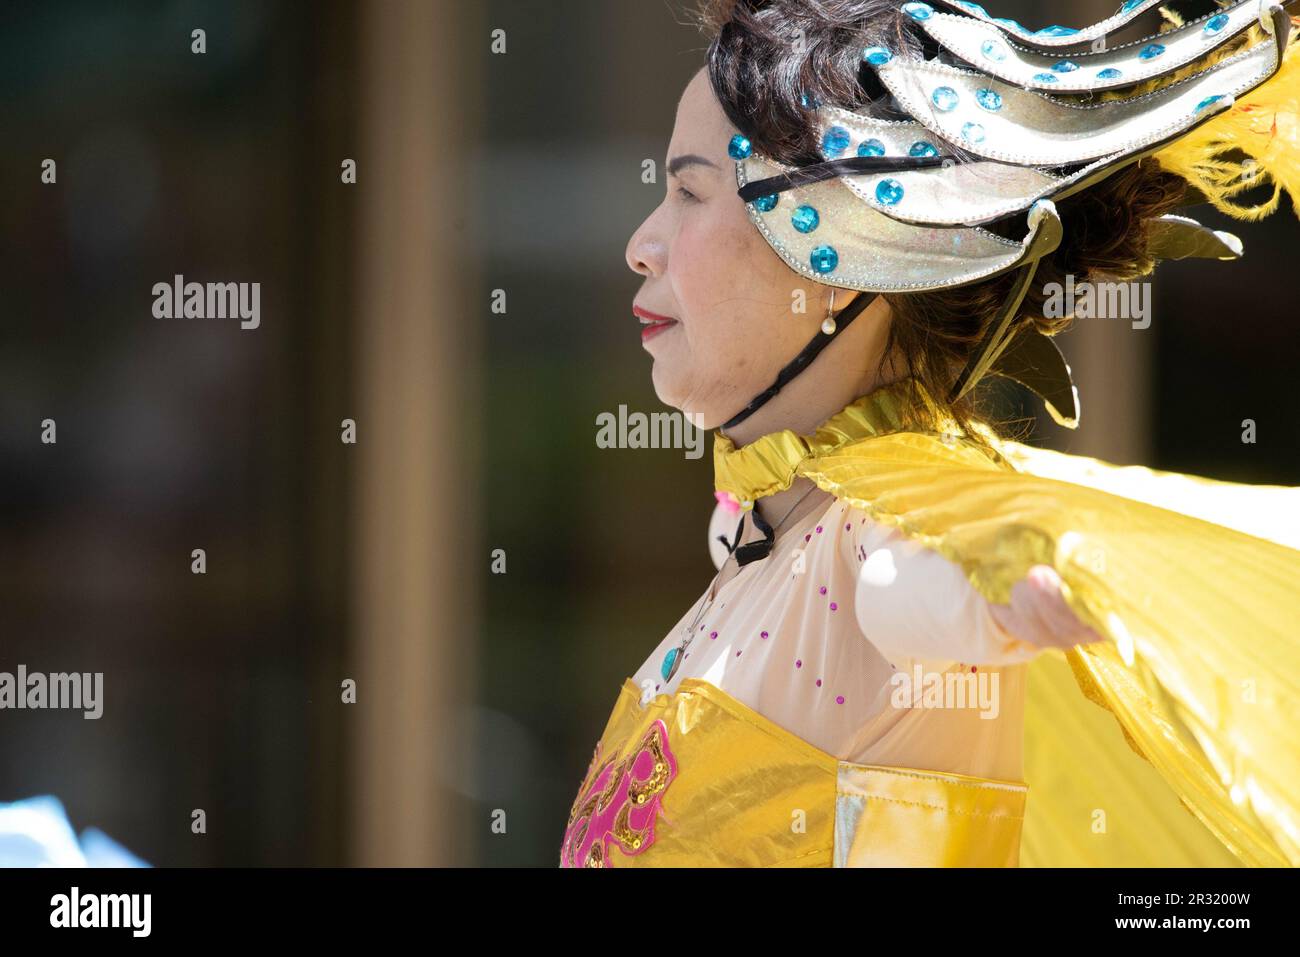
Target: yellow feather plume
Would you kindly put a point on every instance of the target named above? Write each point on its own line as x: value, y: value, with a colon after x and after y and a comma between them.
x: 1263, y: 124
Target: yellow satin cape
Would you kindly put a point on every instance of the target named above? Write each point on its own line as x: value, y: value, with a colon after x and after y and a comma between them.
x: 1194, y: 583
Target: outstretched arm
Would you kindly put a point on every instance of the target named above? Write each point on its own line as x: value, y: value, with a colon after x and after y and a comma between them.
x: 913, y: 602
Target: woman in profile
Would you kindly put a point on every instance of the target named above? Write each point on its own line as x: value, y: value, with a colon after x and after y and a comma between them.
x: 868, y: 204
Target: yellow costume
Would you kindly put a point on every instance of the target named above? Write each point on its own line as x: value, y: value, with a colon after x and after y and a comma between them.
x: 744, y: 792
x: 1202, y: 671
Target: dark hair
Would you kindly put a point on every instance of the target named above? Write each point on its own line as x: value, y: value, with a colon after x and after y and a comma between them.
x: 767, y: 58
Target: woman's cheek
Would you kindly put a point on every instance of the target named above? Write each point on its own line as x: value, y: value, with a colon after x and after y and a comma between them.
x: 695, y: 265
x: 714, y: 260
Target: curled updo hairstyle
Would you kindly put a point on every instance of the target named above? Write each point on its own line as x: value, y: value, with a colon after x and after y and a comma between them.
x: 767, y: 58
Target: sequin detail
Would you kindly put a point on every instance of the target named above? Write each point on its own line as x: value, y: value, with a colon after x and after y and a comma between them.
x: 994, y: 51
x: 619, y: 802
x: 739, y: 148
x: 835, y: 141
x: 805, y: 219
x: 888, y: 193
x: 824, y: 259
x: 944, y: 98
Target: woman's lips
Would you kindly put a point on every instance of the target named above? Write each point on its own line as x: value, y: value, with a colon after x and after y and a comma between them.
x: 650, y: 330
x: 652, y: 323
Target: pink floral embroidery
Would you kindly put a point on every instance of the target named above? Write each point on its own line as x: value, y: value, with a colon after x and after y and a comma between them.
x: 619, y: 802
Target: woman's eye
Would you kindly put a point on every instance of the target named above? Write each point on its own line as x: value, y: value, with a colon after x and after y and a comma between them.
x: 685, y: 193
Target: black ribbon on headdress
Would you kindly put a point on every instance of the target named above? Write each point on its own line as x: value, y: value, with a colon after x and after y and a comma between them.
x: 829, y: 169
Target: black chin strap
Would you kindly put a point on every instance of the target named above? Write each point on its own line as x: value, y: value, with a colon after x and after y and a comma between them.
x: 804, y: 358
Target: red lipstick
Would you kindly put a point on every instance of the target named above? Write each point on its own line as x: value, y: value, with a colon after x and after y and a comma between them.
x: 652, y: 323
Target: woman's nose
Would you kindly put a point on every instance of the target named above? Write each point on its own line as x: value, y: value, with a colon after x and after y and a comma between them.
x: 647, y: 253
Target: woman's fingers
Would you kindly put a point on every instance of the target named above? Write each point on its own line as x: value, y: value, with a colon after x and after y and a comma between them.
x: 1022, y: 620
x: 1039, y: 614
x: 1045, y: 584
x: 1042, y: 589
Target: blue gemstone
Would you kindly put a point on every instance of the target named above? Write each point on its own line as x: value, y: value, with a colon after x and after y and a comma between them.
x: 923, y: 148
x: 989, y: 99
x: 945, y: 98
x: 835, y: 141
x: 1065, y: 66
x: 1110, y: 73
x: 1055, y: 30
x: 666, y: 668
x: 1045, y: 77
x: 739, y: 147
x: 889, y: 192
x: 877, y: 56
x: 972, y: 132
x: 1207, y: 101
x: 805, y: 219
x: 1151, y: 51
x: 765, y: 204
x: 871, y: 148
x: 824, y: 258
x: 810, y: 102
x: 993, y: 50
x: 918, y: 11
x: 1216, y: 23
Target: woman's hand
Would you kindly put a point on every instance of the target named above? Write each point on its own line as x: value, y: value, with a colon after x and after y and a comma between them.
x: 1039, y: 615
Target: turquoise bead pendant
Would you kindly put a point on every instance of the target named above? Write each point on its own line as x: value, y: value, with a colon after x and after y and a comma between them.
x: 669, y: 667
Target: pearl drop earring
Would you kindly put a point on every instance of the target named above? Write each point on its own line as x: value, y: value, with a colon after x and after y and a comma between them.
x: 828, y: 324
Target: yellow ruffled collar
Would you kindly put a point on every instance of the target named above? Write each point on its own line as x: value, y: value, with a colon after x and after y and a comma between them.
x: 769, y: 464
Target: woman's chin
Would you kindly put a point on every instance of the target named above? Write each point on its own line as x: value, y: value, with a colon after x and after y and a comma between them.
x: 676, y: 394
x: 666, y: 384
x: 670, y: 385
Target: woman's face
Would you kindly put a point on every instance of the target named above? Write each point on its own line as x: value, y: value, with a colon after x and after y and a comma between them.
x: 731, y: 300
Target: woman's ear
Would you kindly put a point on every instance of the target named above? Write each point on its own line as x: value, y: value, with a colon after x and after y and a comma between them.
x: 845, y: 296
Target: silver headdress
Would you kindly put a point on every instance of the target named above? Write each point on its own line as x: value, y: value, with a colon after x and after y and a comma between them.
x: 902, y: 205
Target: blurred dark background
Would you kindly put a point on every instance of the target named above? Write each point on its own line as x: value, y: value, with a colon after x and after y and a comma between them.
x: 480, y: 695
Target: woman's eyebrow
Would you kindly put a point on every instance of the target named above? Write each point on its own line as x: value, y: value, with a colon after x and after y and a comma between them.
x: 678, y: 163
